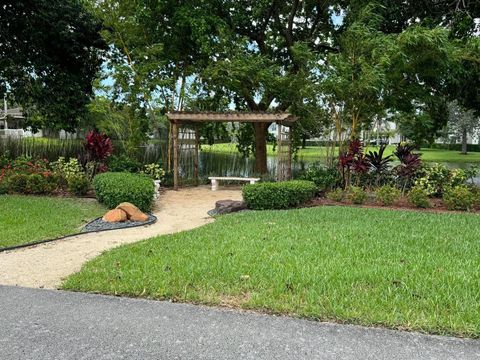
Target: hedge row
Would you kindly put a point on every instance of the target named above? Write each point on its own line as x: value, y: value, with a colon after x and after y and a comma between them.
x: 113, y: 188
x: 279, y: 195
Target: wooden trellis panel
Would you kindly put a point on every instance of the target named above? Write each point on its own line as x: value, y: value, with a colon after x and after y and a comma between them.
x: 284, y: 153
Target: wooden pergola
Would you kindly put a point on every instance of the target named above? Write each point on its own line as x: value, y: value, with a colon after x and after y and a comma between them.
x: 192, y: 119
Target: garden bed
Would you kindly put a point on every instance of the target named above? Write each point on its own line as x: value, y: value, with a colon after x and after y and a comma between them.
x: 437, y: 205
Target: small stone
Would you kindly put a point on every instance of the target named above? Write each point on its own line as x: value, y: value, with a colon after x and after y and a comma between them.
x: 129, y: 208
x: 115, y: 215
x: 229, y: 206
x: 138, y: 216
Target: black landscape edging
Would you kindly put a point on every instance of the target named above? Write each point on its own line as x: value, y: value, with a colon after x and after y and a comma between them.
x: 15, y: 247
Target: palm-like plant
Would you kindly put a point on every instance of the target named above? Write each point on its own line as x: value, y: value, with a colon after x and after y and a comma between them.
x: 379, y: 164
x: 403, y: 150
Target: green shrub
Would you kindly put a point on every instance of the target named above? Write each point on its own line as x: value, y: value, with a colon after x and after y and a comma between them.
x: 123, y: 163
x: 458, y: 177
x: 67, y: 169
x: 356, y: 195
x: 153, y: 171
x: 168, y: 178
x: 325, y: 178
x: 3, y: 187
x: 78, y: 185
x: 475, y: 190
x: 387, y: 194
x: 36, y: 184
x: 458, y: 198
x: 279, y: 195
x: 419, y: 197
x: 114, y: 188
x: 336, y: 195
x: 17, y: 183
x: 436, y: 178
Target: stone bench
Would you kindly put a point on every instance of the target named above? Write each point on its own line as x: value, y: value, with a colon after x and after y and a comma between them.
x: 216, y: 179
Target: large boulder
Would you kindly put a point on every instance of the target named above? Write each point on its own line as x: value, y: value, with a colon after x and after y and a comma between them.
x: 115, y: 215
x: 229, y: 206
x: 138, y: 216
x: 129, y: 208
x: 133, y: 212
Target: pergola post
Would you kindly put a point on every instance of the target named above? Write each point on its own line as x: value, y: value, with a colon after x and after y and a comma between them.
x: 175, y: 155
x: 279, y: 153
x: 196, y: 159
x: 289, y: 167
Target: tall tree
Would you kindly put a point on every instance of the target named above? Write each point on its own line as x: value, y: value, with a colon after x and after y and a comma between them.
x: 266, y: 56
x: 462, y: 123
x: 436, y: 63
x: 354, y: 79
x: 49, y: 57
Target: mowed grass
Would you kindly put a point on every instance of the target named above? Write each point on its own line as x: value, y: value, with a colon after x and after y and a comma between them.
x: 399, y: 269
x: 25, y: 219
x: 319, y: 152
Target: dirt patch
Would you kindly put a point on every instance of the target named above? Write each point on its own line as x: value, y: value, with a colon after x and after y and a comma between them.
x: 46, y: 265
x: 234, y: 301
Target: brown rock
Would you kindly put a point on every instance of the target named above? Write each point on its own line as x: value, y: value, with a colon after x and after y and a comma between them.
x: 229, y: 206
x: 138, y: 216
x: 129, y: 208
x: 115, y: 215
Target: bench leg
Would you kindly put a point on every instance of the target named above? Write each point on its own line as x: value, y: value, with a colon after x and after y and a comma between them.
x: 253, y: 181
x: 214, y: 185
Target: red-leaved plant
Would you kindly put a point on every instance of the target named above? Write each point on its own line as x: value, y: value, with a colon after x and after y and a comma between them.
x: 353, y: 162
x: 97, y: 146
x: 410, y: 164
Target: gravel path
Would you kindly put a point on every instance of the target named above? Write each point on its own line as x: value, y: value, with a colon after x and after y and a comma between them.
x: 44, y: 266
x: 51, y: 325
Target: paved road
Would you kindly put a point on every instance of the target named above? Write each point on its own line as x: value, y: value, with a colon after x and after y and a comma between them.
x: 46, y: 324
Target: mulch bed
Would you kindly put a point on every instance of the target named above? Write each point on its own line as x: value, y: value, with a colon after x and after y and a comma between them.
x: 437, y: 205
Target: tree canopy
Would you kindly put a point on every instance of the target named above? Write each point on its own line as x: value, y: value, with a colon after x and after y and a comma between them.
x: 49, y: 57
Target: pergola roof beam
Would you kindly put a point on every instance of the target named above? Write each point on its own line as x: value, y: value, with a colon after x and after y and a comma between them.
x: 259, y: 117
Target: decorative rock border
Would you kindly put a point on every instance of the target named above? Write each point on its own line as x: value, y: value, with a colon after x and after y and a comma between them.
x: 99, y: 225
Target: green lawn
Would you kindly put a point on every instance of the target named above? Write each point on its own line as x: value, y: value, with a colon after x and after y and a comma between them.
x: 318, y: 153
x: 400, y: 269
x: 24, y: 219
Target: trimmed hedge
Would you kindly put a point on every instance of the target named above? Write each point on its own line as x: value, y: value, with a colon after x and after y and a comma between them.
x: 279, y: 195
x: 113, y: 188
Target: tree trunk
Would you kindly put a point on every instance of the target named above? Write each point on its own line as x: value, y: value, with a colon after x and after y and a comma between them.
x: 304, y: 142
x: 260, y: 147
x: 464, y: 141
